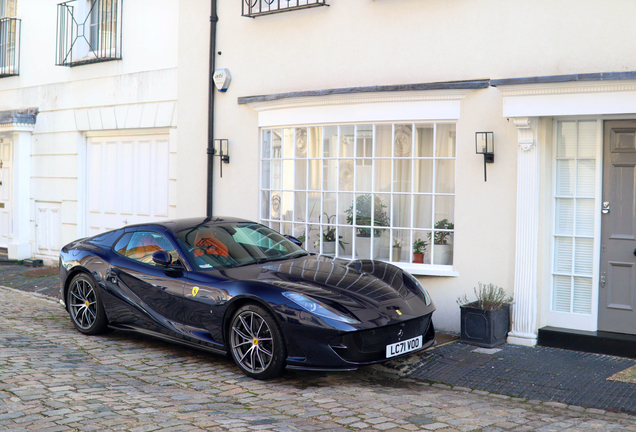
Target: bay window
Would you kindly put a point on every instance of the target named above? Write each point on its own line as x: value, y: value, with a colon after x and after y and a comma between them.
x: 359, y: 191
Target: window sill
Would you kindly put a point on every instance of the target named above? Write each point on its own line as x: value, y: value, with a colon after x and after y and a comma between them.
x: 427, y: 269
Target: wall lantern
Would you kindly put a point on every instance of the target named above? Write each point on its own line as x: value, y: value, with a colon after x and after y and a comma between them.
x: 221, y: 150
x: 485, y: 144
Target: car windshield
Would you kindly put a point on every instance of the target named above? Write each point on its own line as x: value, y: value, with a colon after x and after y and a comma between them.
x: 234, y: 244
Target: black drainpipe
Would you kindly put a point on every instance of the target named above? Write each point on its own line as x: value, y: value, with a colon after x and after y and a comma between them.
x: 211, y: 90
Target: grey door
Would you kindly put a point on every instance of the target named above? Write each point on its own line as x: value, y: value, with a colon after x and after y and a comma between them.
x: 617, y: 293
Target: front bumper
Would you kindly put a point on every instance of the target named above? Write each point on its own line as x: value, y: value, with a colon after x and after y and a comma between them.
x: 333, y: 350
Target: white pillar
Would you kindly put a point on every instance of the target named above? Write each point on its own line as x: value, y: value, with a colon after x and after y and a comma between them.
x: 524, y: 310
x: 20, y: 245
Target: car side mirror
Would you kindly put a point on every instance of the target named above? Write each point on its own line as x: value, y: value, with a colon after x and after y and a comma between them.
x: 162, y: 258
x: 294, y: 240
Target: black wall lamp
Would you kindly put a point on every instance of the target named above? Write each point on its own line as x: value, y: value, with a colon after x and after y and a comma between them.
x: 485, y: 144
x: 221, y: 150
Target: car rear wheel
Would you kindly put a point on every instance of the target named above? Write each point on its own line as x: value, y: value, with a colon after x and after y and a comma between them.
x: 85, y: 306
x: 256, y: 343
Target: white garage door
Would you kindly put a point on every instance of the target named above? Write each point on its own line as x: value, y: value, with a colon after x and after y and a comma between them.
x: 127, y: 181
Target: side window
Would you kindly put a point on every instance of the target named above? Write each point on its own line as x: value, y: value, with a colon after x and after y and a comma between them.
x: 140, y: 246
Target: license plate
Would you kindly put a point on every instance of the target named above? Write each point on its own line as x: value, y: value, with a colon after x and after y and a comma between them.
x: 403, y: 347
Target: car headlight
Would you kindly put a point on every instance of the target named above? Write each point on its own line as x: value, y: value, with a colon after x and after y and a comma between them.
x: 414, y: 281
x: 318, y: 308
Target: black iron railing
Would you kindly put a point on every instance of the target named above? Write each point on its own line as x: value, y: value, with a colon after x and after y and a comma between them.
x: 88, y: 35
x: 254, y: 8
x: 9, y: 47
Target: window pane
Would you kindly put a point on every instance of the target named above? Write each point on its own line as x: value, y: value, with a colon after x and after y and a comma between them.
x: 330, y: 175
x: 565, y: 178
x: 566, y: 139
x: 277, y: 138
x: 314, y: 140
x: 346, y: 175
x: 402, y: 175
x: 364, y: 169
x: 402, y: 211
x: 314, y: 174
x: 301, y: 174
x: 582, y: 302
x: 383, y: 140
x: 276, y: 205
x: 563, y: 255
x: 403, y: 140
x: 288, y: 174
x: 587, y: 139
x: 345, y: 205
x: 330, y: 141
x: 266, y: 174
x: 564, y: 224
x: 286, y: 229
x: 424, y: 141
x: 329, y: 216
x: 363, y: 209
x: 400, y: 246
x: 346, y: 232
x: 445, y: 140
x: 382, y: 170
x: 300, y: 233
x: 562, y: 293
x: 347, y: 141
x: 444, y: 209
x: 445, y: 176
x: 583, y: 256
x: 423, y: 240
x: 287, y: 206
x: 267, y: 144
x: 364, y: 140
x: 300, y: 206
x: 288, y: 143
x: 312, y: 245
x: 586, y: 178
x: 314, y: 207
x: 265, y: 204
x: 382, y: 245
x: 381, y: 210
x: 422, y: 211
x: 301, y: 142
x: 277, y: 173
x: 423, y: 176
x: 585, y: 217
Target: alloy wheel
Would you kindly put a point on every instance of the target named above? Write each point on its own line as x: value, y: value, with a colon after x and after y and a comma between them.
x: 83, y: 304
x: 251, y: 341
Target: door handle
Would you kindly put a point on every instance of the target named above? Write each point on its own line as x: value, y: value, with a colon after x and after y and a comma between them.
x: 602, y: 279
x: 606, y: 207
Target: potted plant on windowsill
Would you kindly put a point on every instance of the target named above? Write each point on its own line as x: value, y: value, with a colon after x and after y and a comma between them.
x: 329, y: 238
x: 442, y: 249
x: 397, y: 249
x: 419, y: 249
x: 486, y: 321
x: 362, y: 216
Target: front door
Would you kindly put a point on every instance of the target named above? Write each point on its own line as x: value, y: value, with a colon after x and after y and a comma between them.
x: 617, y: 293
x: 6, y: 173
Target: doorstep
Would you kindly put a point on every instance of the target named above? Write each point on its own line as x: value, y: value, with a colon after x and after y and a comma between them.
x: 600, y: 342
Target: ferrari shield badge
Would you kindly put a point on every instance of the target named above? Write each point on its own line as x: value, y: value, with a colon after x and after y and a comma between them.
x: 195, y: 291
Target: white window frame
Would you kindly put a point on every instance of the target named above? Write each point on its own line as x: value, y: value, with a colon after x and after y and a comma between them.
x: 414, y: 268
x: 571, y: 320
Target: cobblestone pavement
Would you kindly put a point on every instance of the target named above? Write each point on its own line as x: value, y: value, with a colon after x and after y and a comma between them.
x: 53, y: 378
x: 40, y: 280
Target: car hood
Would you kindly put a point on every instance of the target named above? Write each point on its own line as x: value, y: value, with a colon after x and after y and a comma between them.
x: 357, y: 285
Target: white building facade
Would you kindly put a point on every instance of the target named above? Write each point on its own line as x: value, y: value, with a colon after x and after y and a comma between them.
x: 352, y: 125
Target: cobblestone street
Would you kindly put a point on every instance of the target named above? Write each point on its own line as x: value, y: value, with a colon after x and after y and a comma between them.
x: 53, y: 378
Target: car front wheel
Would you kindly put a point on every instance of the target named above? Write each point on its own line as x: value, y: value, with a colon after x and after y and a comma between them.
x: 256, y: 343
x: 85, y: 305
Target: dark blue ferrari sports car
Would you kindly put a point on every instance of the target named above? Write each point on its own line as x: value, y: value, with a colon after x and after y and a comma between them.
x: 228, y: 285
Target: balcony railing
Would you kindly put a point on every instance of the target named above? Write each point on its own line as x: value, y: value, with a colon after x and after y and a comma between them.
x: 254, y: 8
x: 88, y: 34
x: 9, y: 47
